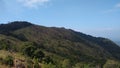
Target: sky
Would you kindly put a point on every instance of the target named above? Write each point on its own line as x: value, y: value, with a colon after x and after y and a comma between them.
x: 100, y: 18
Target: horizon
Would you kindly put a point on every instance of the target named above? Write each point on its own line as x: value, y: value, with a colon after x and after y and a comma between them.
x: 96, y: 18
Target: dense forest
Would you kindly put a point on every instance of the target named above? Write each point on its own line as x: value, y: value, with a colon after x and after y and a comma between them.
x: 26, y: 45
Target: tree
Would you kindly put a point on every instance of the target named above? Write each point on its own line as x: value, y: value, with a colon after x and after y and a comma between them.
x: 29, y: 50
x: 38, y: 54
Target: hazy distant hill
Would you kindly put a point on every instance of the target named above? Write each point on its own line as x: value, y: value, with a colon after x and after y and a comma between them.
x: 117, y: 42
x: 58, y: 43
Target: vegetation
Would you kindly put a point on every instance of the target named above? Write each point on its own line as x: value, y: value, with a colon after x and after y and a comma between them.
x: 23, y: 44
x: 9, y: 60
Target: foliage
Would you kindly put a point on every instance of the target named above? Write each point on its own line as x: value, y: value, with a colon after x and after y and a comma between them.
x: 4, y: 44
x: 9, y: 60
x: 38, y: 54
x: 50, y: 65
x: 29, y: 63
x: 111, y: 64
x: 47, y: 59
x: 13, y: 26
x: 81, y: 65
x: 36, y: 64
x: 29, y: 50
x: 66, y: 63
x: 1, y: 60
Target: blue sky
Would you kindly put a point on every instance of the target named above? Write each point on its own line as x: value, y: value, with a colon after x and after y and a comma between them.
x: 94, y: 17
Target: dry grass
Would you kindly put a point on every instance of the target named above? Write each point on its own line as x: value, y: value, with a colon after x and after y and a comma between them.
x: 4, y: 53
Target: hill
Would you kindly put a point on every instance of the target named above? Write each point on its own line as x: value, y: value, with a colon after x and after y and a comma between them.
x: 62, y: 46
x: 117, y: 42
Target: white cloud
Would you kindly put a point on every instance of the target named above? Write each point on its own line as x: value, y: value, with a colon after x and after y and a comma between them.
x: 117, y: 5
x: 33, y: 3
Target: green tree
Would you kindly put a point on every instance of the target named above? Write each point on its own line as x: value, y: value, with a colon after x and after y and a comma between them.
x: 29, y: 50
x: 38, y: 54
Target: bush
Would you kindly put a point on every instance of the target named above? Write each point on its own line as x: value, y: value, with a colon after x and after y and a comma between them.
x: 29, y: 63
x: 36, y: 64
x: 47, y: 60
x: 38, y: 54
x: 66, y: 63
x: 29, y: 50
x: 9, y: 61
x: 1, y: 60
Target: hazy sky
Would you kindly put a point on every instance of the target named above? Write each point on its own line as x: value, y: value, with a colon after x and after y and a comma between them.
x: 94, y: 17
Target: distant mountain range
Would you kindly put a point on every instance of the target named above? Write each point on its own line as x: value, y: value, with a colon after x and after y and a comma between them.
x: 117, y: 42
x: 59, y: 43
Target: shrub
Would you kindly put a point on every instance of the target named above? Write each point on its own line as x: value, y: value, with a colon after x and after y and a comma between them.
x: 29, y: 63
x: 38, y: 54
x: 9, y: 61
x: 29, y: 50
x: 66, y: 63
x: 1, y: 60
x: 36, y: 64
x: 48, y: 60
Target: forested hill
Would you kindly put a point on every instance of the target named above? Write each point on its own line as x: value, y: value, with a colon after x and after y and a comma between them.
x: 57, y: 43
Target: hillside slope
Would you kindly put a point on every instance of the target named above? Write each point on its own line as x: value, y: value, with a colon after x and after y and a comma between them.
x: 59, y: 43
